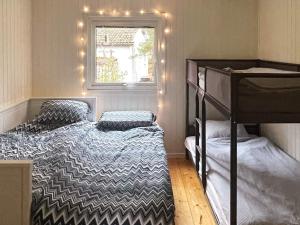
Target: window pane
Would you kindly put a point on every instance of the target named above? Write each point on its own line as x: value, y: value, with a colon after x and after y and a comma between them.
x: 124, y: 55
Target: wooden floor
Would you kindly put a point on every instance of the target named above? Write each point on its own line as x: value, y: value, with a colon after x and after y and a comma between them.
x: 191, y: 204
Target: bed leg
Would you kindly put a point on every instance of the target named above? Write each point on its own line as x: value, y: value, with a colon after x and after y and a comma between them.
x: 187, y: 156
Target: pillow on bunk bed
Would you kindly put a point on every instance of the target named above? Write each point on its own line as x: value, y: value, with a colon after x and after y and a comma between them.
x: 125, y: 120
x: 217, y: 129
x: 63, y: 112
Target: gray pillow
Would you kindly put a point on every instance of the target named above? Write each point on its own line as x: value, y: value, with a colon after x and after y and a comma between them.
x: 63, y: 112
x: 124, y: 120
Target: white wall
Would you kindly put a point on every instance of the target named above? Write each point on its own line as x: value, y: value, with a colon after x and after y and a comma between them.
x: 279, y: 40
x: 200, y: 28
x: 15, y: 52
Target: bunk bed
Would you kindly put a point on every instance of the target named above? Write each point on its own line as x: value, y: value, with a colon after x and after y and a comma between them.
x: 247, y: 92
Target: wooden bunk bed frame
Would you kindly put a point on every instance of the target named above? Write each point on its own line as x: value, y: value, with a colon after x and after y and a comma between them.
x: 229, y: 104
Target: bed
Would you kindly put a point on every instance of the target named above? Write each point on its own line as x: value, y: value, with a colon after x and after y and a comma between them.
x: 260, y: 183
x: 86, y: 175
x: 246, y: 92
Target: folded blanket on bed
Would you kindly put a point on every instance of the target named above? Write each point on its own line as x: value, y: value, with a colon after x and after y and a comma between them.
x: 124, y: 120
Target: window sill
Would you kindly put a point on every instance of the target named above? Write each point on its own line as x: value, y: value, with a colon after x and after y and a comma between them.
x: 124, y: 87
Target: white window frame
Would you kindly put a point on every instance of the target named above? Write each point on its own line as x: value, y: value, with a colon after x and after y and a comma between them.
x: 153, y: 21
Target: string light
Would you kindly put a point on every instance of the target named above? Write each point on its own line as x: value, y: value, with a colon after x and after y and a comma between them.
x: 114, y: 12
x: 157, y: 12
x: 86, y: 9
x: 82, y: 54
x: 80, y: 24
x: 81, y: 68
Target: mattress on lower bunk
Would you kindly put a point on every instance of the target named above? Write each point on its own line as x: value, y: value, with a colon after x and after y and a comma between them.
x: 268, y: 182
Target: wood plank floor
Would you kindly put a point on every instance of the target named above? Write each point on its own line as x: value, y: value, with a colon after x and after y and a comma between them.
x: 191, y: 204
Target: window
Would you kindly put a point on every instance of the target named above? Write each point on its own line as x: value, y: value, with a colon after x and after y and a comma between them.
x: 123, y: 53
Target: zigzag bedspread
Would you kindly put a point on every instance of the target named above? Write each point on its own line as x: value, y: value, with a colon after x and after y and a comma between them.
x: 83, y: 176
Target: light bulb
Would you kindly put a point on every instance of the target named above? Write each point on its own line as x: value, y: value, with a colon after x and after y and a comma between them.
x: 82, y: 67
x: 167, y: 30
x: 82, y: 39
x: 82, y: 80
x: 142, y: 11
x: 127, y: 13
x: 162, y: 61
x: 166, y: 15
x: 101, y: 12
x: 114, y: 12
x: 80, y: 24
x: 83, y: 93
x: 157, y: 12
x: 82, y: 54
x: 86, y: 9
x: 163, y: 46
x: 161, y: 92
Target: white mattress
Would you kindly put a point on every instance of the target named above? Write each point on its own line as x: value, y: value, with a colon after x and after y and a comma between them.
x: 268, y: 182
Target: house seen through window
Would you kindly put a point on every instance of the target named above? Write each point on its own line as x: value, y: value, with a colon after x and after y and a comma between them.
x: 125, y: 55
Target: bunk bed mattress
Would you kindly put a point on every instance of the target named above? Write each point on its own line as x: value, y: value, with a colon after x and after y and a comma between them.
x: 268, y: 182
x: 82, y: 175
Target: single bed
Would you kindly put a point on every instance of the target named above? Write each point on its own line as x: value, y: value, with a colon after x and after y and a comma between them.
x: 261, y: 185
x: 85, y: 175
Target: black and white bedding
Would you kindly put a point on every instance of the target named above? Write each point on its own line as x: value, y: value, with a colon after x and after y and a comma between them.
x: 85, y: 176
x: 268, y: 181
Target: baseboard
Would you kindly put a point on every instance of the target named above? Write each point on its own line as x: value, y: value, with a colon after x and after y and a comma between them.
x: 13, y: 115
x: 176, y: 155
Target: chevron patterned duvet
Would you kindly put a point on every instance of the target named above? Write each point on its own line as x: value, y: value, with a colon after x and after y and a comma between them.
x: 83, y: 176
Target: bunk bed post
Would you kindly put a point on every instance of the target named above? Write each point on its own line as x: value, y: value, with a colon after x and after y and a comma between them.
x: 203, y: 143
x: 187, y: 111
x: 233, y: 151
x: 233, y: 174
x: 197, y: 136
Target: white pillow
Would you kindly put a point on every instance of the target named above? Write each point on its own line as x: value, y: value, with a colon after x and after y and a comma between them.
x: 217, y: 129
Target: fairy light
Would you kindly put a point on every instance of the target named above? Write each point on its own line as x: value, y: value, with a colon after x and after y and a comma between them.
x: 81, y: 67
x: 82, y: 54
x: 157, y: 12
x: 114, y: 12
x: 80, y: 24
x: 86, y: 9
